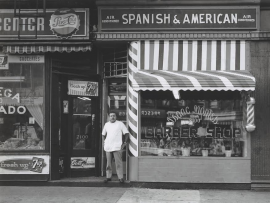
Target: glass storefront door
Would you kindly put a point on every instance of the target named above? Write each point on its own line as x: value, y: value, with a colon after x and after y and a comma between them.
x: 82, y: 136
x: 75, y: 134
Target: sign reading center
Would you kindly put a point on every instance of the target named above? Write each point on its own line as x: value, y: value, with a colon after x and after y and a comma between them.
x: 61, y: 23
x: 178, y: 18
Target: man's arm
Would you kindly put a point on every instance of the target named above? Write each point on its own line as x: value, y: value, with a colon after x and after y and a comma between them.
x: 104, y: 132
x: 126, y: 141
x: 126, y: 137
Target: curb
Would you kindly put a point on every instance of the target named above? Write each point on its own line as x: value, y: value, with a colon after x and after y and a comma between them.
x: 127, y: 184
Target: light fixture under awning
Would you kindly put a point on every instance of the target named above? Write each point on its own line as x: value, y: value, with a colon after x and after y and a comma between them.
x: 192, y: 80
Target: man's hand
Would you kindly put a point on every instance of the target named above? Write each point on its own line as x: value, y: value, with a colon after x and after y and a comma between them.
x: 123, y: 145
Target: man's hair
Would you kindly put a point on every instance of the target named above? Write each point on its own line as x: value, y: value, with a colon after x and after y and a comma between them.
x: 112, y: 112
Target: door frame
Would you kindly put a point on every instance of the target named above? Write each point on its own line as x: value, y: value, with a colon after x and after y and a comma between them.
x: 54, y: 123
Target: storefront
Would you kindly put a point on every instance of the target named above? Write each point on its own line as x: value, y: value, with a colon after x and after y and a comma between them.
x: 190, y: 108
x: 22, y: 117
x: 181, y: 77
x: 49, y: 96
x: 192, y: 123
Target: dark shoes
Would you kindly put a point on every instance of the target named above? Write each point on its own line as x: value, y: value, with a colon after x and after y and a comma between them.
x: 107, y: 180
x: 121, y: 180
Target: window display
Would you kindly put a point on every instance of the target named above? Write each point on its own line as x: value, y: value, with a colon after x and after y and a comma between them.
x: 192, y: 127
x: 21, y: 107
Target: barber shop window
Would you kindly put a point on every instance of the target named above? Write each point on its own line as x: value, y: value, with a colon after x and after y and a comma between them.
x: 200, y: 123
x: 22, y: 107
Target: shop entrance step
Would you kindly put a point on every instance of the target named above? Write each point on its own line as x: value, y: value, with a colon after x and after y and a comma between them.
x: 260, y: 185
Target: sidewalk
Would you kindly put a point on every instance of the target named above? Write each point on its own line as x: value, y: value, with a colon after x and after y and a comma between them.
x: 98, y: 182
x: 15, y: 194
x: 193, y: 196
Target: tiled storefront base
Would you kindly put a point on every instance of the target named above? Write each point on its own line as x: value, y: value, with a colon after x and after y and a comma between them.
x: 190, y: 170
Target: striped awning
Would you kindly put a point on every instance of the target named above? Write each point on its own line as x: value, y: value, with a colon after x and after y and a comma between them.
x: 177, y: 55
x: 192, y: 80
x: 24, y: 49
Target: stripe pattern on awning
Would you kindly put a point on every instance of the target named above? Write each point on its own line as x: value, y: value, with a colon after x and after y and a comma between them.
x: 192, y: 80
x: 188, y: 55
x: 13, y: 49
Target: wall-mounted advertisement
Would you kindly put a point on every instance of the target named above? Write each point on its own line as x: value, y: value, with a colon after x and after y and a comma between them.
x: 82, y: 162
x: 82, y: 88
x: 178, y: 18
x: 3, y: 61
x: 57, y: 23
x: 28, y: 164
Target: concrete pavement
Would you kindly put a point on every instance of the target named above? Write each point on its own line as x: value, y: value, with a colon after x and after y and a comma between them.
x: 133, y: 195
x: 15, y: 194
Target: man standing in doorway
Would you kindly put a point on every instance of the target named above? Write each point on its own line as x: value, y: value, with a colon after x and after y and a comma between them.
x: 113, y: 132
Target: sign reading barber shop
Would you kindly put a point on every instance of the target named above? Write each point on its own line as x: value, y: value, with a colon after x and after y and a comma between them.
x: 57, y: 23
x: 142, y: 18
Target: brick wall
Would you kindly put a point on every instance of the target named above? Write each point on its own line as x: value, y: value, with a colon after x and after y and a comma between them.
x: 260, y: 138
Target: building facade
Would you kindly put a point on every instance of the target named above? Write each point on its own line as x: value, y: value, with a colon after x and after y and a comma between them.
x: 50, y: 91
x: 190, y: 81
x: 174, y: 47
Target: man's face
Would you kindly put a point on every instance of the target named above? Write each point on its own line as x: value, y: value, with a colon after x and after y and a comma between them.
x: 112, y: 117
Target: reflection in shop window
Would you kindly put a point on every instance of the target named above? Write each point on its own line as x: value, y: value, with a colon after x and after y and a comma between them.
x: 117, y: 105
x: 21, y: 107
x: 83, y: 123
x: 172, y: 127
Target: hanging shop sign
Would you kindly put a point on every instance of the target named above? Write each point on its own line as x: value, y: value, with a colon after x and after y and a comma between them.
x: 82, y: 88
x: 82, y: 162
x: 142, y: 18
x: 24, y: 164
x: 61, y: 23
